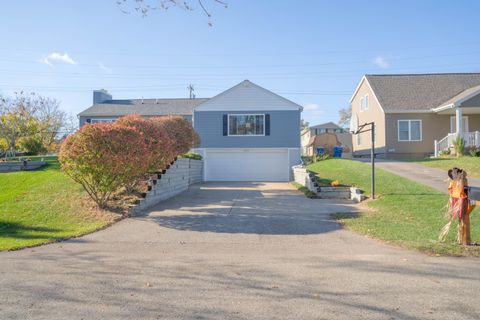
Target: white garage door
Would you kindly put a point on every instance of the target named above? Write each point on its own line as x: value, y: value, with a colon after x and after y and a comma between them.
x: 247, y: 165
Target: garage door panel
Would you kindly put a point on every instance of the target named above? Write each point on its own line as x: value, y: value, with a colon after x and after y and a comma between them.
x: 247, y: 165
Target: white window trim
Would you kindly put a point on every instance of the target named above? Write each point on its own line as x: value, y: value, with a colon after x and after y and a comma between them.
x: 361, y: 104
x: 101, y: 120
x: 366, y: 102
x: 409, y: 130
x: 245, y: 114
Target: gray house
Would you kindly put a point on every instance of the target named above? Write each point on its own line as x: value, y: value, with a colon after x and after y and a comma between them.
x: 106, y: 109
x: 247, y: 133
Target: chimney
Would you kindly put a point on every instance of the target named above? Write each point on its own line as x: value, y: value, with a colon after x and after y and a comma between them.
x: 100, y: 96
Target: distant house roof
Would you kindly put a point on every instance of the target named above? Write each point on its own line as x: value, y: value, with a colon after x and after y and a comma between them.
x: 419, y: 92
x: 327, y: 125
x: 144, y: 107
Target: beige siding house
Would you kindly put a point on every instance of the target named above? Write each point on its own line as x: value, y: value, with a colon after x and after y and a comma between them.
x: 416, y: 115
x: 326, y: 136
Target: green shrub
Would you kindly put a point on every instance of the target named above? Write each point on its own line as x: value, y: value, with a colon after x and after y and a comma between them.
x: 192, y: 155
x: 444, y: 152
x: 32, y: 146
x: 474, y: 152
x: 459, y: 145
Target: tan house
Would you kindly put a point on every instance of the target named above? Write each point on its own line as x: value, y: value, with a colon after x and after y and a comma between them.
x: 325, y: 137
x: 416, y: 115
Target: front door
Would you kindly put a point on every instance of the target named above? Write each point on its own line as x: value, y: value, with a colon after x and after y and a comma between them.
x: 453, y: 124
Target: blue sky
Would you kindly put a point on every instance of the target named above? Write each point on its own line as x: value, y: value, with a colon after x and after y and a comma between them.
x: 312, y: 52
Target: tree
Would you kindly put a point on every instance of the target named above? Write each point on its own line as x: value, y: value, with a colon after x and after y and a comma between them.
x: 103, y: 158
x: 157, y: 140
x: 304, y: 124
x: 144, y: 7
x: 345, y: 115
x: 31, y: 116
x: 180, y: 131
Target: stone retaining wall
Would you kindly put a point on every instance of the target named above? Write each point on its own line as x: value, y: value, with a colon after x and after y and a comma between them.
x: 307, y: 179
x: 176, y: 179
x: 11, y: 166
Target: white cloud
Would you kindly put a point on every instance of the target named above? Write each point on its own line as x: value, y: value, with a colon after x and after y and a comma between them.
x: 311, y: 107
x: 104, y: 68
x: 381, y: 62
x: 57, y: 57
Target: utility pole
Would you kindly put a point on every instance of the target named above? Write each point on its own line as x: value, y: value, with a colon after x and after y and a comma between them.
x: 191, y: 89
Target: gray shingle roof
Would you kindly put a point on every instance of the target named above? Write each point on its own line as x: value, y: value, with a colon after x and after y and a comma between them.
x: 144, y: 107
x: 328, y: 125
x: 417, y: 92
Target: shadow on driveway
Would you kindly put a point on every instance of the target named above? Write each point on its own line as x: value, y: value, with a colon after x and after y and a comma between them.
x: 251, y: 208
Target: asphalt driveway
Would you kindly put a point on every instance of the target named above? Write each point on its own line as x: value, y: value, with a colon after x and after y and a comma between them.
x: 235, y: 251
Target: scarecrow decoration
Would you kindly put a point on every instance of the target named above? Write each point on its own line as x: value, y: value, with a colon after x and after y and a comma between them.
x: 461, y: 203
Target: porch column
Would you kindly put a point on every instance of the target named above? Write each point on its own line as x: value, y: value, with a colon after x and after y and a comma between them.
x: 458, y: 120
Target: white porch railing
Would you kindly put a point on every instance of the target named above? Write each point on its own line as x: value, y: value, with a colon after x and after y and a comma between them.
x: 472, y: 139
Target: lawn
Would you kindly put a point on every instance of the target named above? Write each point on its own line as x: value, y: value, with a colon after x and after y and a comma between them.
x: 406, y: 213
x: 44, y: 206
x: 470, y: 164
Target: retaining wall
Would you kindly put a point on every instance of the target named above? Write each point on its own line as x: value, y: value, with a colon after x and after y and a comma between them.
x: 11, y: 166
x: 176, y: 179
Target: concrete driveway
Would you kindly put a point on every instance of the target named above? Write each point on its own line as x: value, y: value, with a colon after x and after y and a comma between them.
x: 235, y: 251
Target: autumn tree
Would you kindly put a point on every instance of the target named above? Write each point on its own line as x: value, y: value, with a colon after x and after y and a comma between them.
x: 103, y: 158
x: 158, y: 141
x: 144, y: 7
x: 31, y: 120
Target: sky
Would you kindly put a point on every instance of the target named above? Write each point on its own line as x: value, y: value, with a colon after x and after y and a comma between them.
x: 311, y: 52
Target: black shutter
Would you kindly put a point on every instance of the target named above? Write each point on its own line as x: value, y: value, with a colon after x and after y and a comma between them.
x: 88, y: 120
x: 267, y: 124
x: 225, y: 124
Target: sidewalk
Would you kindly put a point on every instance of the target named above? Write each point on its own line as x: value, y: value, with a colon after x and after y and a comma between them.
x: 435, y: 178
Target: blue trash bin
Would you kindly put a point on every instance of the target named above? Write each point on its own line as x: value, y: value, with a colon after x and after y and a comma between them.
x: 320, y: 151
x: 337, y: 152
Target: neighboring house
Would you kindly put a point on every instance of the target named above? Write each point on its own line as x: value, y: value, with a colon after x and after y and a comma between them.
x: 247, y: 133
x: 416, y: 115
x: 324, y: 137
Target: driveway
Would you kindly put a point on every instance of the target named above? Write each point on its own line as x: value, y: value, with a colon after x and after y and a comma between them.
x: 433, y: 177
x: 235, y: 251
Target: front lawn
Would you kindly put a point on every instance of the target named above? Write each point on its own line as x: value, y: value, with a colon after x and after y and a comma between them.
x: 470, y: 164
x: 407, y: 213
x: 44, y: 206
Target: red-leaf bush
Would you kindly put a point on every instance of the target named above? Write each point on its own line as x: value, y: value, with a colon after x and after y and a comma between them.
x: 180, y: 131
x: 157, y: 140
x: 104, y: 157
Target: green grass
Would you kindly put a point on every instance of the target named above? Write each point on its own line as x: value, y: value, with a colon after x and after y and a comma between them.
x: 470, y: 164
x: 305, y: 190
x: 44, y: 206
x: 406, y: 213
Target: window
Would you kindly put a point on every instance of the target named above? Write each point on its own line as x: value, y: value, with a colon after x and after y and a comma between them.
x: 101, y: 120
x: 246, y: 124
x: 409, y: 130
x: 359, y: 140
x: 366, y: 102
x: 322, y: 130
x: 362, y: 101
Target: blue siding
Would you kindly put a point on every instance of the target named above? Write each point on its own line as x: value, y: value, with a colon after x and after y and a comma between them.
x: 284, y: 130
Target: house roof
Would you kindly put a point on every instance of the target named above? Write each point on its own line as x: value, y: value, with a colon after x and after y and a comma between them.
x: 327, y: 125
x: 144, y: 107
x: 419, y: 92
x: 248, y: 96
x: 464, y: 95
